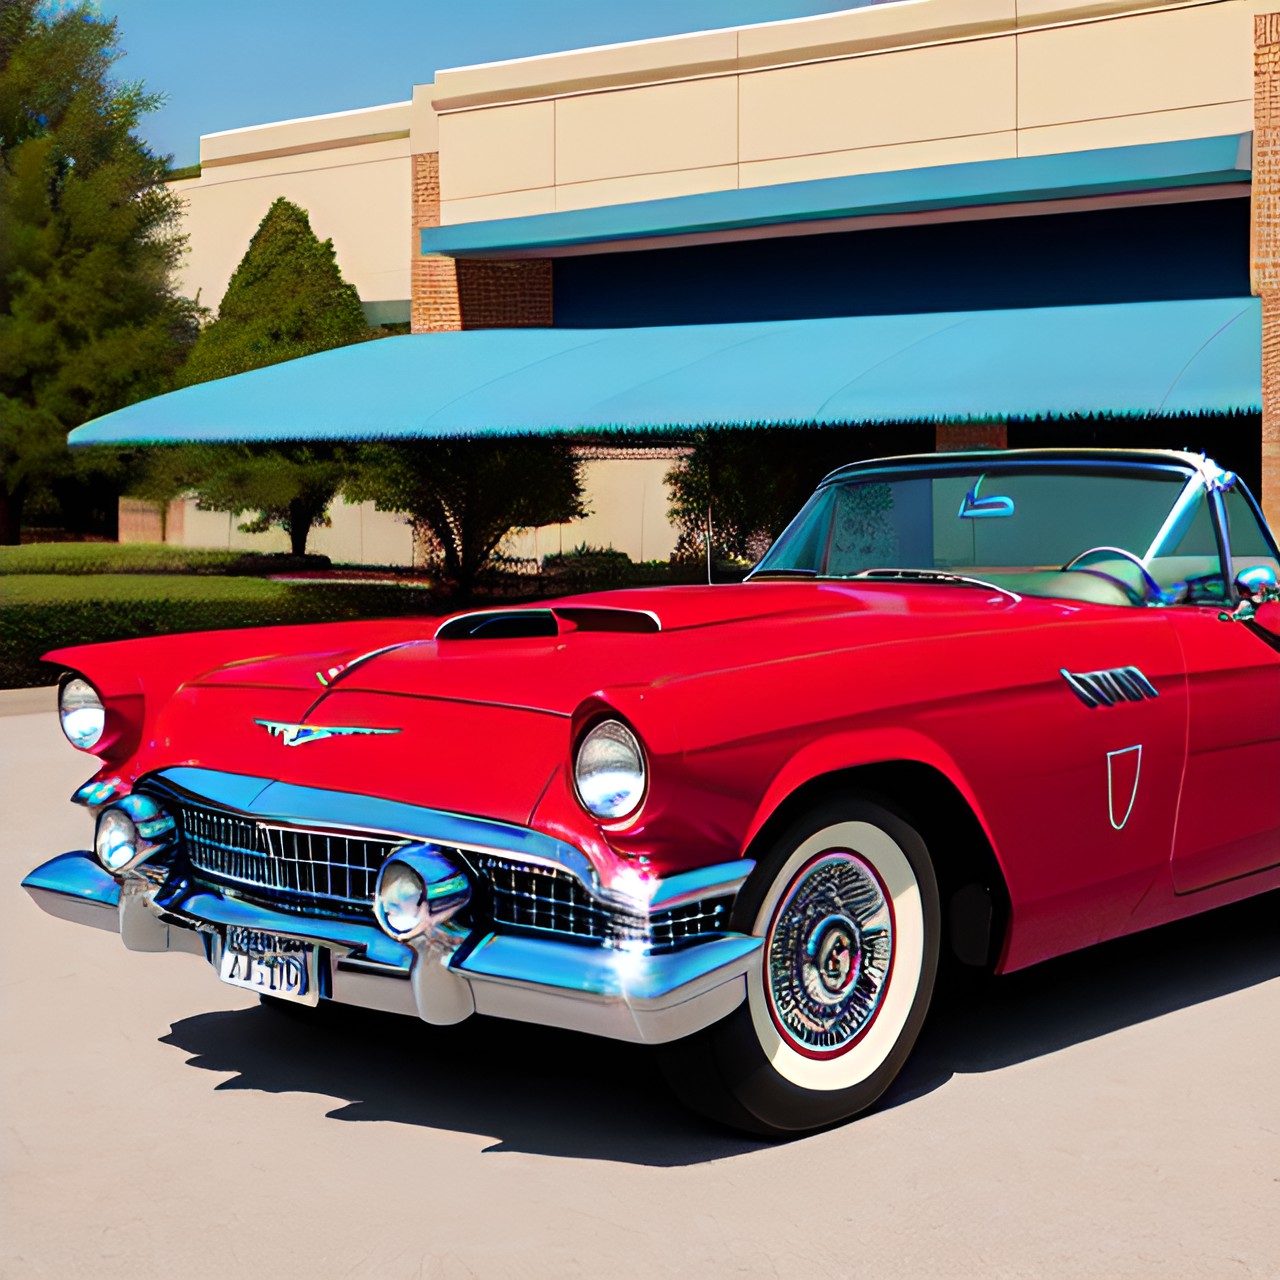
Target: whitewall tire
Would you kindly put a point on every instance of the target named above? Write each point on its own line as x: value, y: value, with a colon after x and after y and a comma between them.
x: 846, y: 902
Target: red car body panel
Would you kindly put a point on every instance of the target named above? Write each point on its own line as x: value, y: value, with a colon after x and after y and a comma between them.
x: 747, y: 693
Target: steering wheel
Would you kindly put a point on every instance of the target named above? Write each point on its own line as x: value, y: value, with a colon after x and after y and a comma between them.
x: 1153, y: 589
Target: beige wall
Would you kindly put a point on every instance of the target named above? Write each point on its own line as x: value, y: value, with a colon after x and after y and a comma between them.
x: 628, y: 498
x: 350, y: 171
x: 359, y: 534
x: 924, y: 82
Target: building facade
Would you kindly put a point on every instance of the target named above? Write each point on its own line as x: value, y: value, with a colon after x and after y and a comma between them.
x: 931, y: 156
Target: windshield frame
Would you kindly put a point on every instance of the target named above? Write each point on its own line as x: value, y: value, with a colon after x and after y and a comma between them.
x: 1200, y: 476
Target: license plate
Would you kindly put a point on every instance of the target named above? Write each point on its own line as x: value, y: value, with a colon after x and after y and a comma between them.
x: 270, y: 964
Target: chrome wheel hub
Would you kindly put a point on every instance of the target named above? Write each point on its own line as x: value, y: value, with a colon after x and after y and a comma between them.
x: 829, y: 948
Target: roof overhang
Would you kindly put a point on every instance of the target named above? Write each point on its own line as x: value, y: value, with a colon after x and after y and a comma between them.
x: 1196, y: 168
x: 1147, y: 358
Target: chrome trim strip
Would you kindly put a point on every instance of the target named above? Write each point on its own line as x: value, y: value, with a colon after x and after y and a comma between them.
x: 205, y: 907
x: 290, y: 805
x: 377, y: 968
x: 720, y: 881
x: 328, y: 679
x: 1179, y: 518
x: 599, y: 973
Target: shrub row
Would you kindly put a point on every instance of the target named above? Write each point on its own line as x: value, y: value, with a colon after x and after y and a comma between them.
x: 144, y: 557
x: 42, y: 613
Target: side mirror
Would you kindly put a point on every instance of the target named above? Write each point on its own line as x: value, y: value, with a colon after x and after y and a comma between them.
x: 1257, y: 586
x: 1257, y: 583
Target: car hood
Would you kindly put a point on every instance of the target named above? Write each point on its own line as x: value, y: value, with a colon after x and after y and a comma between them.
x: 548, y: 658
x: 479, y: 714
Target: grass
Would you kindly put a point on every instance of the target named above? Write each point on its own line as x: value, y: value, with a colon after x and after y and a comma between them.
x: 39, y: 612
x: 113, y: 557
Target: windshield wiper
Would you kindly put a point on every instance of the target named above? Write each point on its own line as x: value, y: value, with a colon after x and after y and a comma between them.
x: 782, y: 573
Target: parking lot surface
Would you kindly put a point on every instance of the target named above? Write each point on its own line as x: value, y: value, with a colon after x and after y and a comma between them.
x: 1114, y: 1113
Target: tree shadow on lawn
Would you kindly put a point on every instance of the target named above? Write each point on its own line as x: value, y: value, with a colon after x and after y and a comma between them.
x: 557, y: 1093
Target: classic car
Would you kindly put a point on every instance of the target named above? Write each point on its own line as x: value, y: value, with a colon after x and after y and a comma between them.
x: 975, y: 708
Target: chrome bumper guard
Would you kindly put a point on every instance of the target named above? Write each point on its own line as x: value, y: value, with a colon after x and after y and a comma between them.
x: 627, y: 995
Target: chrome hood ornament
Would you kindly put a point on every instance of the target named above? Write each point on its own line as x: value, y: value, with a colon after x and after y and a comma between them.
x: 294, y: 735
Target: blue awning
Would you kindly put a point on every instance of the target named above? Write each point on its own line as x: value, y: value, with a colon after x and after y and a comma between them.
x: 1154, y: 166
x: 1138, y: 358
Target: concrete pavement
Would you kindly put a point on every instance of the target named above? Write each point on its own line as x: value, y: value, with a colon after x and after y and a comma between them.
x: 1115, y: 1113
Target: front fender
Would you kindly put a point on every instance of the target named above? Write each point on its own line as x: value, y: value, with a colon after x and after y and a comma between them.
x: 851, y: 749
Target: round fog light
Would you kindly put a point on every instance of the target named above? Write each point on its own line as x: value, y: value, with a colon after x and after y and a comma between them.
x: 116, y: 843
x: 401, y: 900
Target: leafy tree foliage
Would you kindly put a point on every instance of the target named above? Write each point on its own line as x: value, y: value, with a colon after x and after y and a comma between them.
x: 756, y: 478
x: 287, y: 298
x: 467, y: 495
x: 89, y: 320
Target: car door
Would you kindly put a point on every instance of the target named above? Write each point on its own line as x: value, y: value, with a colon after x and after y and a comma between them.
x: 1229, y: 815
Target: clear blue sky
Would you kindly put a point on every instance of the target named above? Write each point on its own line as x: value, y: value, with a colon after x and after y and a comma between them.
x: 224, y: 64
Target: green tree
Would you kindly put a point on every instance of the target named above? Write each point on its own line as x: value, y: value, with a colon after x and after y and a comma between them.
x: 469, y: 494
x: 755, y: 479
x: 286, y: 299
x: 89, y: 320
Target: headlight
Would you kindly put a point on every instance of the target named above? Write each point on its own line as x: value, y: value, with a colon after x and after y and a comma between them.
x: 82, y: 714
x: 116, y: 843
x: 609, y: 770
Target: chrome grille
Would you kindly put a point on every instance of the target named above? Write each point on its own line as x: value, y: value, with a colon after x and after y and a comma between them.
x: 548, y: 900
x: 290, y: 867
x: 693, y: 920
x: 307, y: 870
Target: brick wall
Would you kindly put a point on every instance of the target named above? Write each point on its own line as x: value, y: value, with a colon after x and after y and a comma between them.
x: 467, y: 293
x: 141, y: 521
x: 1265, y: 244
x: 953, y: 437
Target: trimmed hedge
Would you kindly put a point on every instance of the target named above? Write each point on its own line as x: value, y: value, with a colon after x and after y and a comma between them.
x: 143, y: 557
x: 39, y: 613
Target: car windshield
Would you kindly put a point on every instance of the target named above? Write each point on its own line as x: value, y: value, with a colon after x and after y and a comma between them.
x: 1117, y: 536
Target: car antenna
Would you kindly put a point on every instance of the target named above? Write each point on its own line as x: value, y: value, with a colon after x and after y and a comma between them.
x: 709, y: 579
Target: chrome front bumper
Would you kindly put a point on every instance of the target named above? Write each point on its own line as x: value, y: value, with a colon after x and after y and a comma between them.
x: 637, y: 996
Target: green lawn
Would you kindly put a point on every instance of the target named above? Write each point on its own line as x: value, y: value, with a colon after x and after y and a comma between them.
x: 39, y: 612
x: 112, y: 557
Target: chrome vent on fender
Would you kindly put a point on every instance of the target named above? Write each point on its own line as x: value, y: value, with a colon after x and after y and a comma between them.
x: 1106, y: 688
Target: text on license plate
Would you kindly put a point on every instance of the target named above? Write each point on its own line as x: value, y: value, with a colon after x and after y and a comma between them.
x: 270, y: 964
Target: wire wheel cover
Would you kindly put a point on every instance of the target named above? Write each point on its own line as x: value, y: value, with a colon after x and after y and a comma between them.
x: 830, y: 950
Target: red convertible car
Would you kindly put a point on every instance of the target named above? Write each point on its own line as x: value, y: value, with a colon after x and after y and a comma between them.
x: 984, y: 707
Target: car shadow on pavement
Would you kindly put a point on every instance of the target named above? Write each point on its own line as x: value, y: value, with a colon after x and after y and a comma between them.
x: 550, y: 1092
x: 997, y: 1022
x: 534, y: 1089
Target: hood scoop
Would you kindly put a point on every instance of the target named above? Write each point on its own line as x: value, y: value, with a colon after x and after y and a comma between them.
x: 521, y: 624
